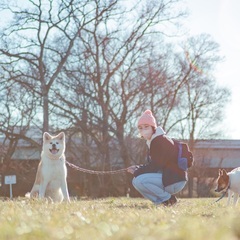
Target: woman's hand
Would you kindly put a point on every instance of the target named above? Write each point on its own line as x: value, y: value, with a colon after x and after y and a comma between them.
x: 132, y: 169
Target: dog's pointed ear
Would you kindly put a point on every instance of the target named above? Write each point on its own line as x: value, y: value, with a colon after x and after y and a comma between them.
x: 220, y: 172
x: 61, y: 136
x: 46, y: 136
x: 224, y: 172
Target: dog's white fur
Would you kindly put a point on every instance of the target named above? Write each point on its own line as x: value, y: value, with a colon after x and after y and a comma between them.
x: 51, y: 178
x: 230, y: 180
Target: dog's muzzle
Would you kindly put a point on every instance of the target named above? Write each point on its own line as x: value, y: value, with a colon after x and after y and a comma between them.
x: 54, y: 150
x: 220, y: 189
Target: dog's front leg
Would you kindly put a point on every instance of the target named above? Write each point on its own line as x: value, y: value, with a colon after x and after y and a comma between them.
x: 42, y: 189
x: 235, y: 198
x: 64, y: 189
x: 229, y: 197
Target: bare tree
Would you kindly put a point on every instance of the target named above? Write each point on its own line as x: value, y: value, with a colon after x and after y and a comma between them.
x: 17, y: 112
x: 182, y: 91
x: 203, y: 101
x: 35, y: 60
x: 18, y: 108
x: 102, y: 73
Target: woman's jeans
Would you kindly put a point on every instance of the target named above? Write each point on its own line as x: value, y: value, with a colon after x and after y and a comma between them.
x: 151, y: 187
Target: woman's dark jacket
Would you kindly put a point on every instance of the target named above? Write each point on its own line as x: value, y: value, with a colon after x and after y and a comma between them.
x: 162, y: 157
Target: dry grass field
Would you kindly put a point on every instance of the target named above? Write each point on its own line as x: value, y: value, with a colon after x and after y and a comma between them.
x: 118, y: 218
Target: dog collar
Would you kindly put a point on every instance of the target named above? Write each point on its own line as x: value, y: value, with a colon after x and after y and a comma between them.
x: 229, y: 183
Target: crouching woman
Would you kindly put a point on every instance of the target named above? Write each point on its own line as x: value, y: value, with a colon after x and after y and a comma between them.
x: 161, y: 177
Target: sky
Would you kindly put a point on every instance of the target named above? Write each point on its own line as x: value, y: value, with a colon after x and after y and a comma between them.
x: 221, y: 19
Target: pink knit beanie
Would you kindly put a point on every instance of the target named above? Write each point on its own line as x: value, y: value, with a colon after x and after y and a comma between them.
x: 147, y: 118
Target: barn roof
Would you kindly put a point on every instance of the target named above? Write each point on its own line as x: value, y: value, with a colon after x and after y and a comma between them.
x: 218, y: 143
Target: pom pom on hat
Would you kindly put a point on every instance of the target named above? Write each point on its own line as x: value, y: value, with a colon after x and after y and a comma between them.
x: 147, y: 118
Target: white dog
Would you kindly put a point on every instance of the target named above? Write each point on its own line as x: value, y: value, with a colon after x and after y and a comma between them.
x: 229, y: 182
x: 51, y: 178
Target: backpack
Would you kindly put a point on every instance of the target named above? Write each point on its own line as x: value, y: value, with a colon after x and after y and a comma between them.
x: 185, y: 156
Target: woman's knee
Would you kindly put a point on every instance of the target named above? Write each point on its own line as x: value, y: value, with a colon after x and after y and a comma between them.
x: 138, y: 182
x: 145, y: 179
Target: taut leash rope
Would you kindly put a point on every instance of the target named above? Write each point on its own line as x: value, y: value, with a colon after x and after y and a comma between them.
x: 95, y: 172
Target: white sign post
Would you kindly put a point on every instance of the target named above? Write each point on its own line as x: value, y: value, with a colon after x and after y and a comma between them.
x: 11, y: 179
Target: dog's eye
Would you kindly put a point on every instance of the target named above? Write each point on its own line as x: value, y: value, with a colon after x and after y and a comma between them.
x: 56, y: 142
x: 50, y: 142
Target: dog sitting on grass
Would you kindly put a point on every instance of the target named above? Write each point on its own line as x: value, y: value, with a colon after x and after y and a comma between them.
x: 51, y: 178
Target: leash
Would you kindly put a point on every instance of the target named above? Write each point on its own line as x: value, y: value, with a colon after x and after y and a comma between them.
x: 224, y: 193
x: 95, y: 172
